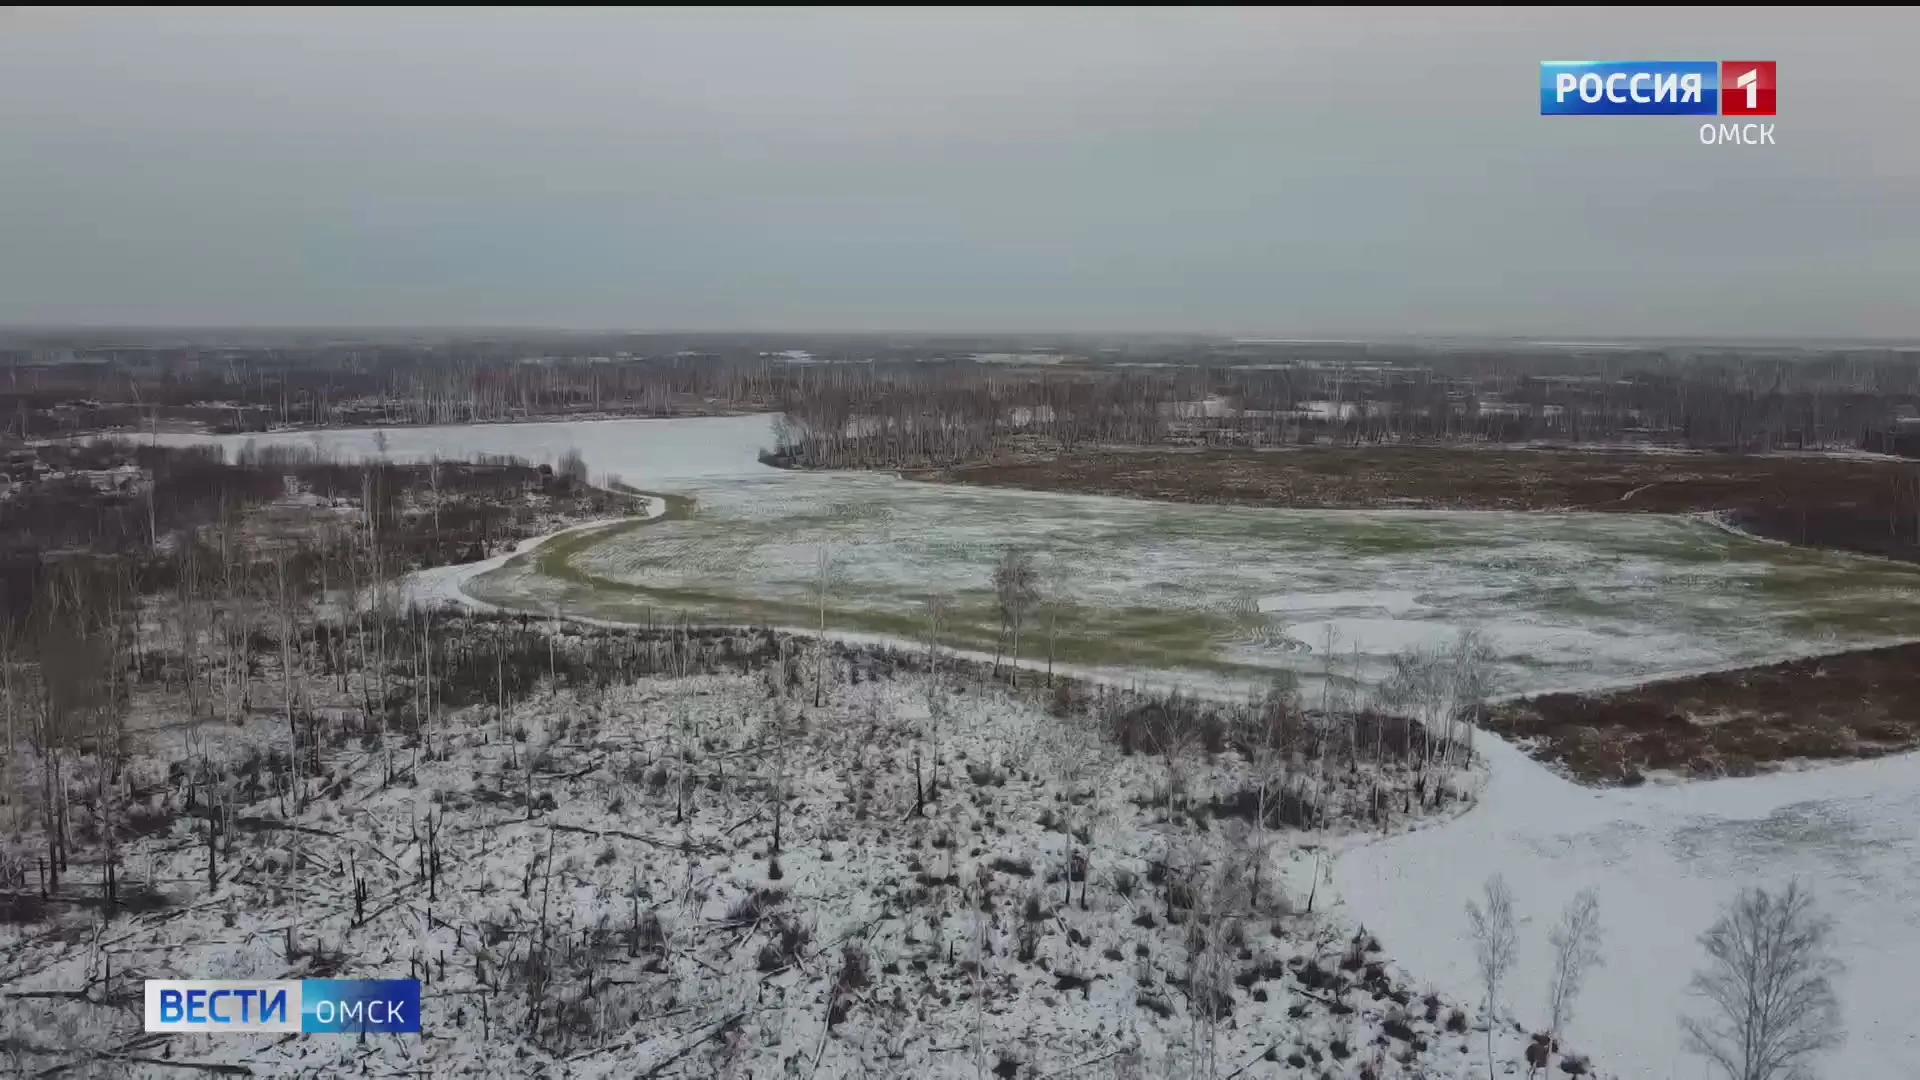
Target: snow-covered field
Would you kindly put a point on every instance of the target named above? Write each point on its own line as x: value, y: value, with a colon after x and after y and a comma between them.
x: 1571, y: 600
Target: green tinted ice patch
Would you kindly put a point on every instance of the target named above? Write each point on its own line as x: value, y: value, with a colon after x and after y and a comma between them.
x: 1565, y: 597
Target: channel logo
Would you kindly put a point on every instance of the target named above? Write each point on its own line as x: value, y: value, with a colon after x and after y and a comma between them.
x: 311, y: 1006
x: 1658, y: 87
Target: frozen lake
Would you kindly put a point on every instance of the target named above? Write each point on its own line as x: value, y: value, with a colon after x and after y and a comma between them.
x: 1208, y: 592
x: 1664, y: 860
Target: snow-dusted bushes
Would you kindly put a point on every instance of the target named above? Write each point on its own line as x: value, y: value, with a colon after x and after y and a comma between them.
x: 575, y: 851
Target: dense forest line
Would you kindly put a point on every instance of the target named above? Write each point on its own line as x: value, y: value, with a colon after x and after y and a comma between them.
x: 158, y: 518
x: 934, y: 401
x: 866, y: 418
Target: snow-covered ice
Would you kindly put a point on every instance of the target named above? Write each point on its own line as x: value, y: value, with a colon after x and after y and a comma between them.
x: 1392, y: 602
x: 1664, y: 859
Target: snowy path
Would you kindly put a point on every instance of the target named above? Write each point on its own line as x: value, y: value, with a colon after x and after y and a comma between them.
x: 1664, y: 858
x: 446, y: 584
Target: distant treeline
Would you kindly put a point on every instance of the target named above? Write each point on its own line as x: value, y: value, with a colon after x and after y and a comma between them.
x: 936, y: 401
x: 866, y: 417
x: 375, y: 388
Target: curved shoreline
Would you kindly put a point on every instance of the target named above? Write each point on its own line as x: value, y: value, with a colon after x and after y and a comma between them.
x: 447, y: 584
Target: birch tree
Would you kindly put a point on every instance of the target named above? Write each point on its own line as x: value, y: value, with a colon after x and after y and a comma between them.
x: 1493, y: 949
x: 1575, y: 940
x: 939, y: 608
x: 1053, y: 597
x: 1471, y: 680
x: 826, y: 575
x: 1767, y: 987
x: 1016, y: 589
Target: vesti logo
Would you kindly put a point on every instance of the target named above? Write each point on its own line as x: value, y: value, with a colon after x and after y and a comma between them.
x: 313, y: 1006
x: 1658, y: 88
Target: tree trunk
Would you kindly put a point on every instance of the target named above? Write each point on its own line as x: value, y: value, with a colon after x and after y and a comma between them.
x: 286, y: 681
x: 49, y: 816
x: 1013, y: 666
x: 1052, y: 617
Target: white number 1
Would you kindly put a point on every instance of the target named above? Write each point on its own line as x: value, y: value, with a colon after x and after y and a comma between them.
x: 1751, y: 83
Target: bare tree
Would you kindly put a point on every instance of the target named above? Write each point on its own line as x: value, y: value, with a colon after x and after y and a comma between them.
x: 978, y: 975
x: 939, y: 609
x: 1053, y: 597
x: 826, y: 575
x: 1493, y: 948
x: 573, y: 466
x: 1016, y: 589
x: 782, y: 729
x: 1219, y: 900
x: 1916, y: 507
x: 12, y: 748
x: 1472, y: 680
x: 1270, y: 723
x: 1576, y: 950
x: 287, y: 624
x: 70, y: 659
x: 1767, y: 986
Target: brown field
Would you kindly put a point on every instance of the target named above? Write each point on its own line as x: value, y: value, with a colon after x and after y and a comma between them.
x: 1728, y: 723
x: 1454, y: 479
x: 1855, y: 504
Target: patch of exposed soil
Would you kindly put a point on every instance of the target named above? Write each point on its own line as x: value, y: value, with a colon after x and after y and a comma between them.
x: 1854, y: 504
x: 1727, y: 723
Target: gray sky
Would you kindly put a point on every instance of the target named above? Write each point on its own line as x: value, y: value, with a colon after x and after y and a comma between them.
x: 1307, y: 172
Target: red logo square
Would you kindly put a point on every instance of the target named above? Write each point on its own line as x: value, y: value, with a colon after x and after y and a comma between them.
x: 1747, y: 87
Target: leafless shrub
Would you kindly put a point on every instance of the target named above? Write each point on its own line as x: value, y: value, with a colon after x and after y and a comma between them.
x: 753, y: 905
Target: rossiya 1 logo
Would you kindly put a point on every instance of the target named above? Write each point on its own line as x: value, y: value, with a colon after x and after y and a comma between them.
x: 1724, y: 88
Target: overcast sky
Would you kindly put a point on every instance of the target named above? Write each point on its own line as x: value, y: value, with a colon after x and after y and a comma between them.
x: 1287, y: 171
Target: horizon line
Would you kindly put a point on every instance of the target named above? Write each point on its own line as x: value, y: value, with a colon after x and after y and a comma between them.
x: 1543, y: 339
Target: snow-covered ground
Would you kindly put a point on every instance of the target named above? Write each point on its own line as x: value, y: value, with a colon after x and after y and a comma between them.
x: 621, y: 841
x: 1664, y: 859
